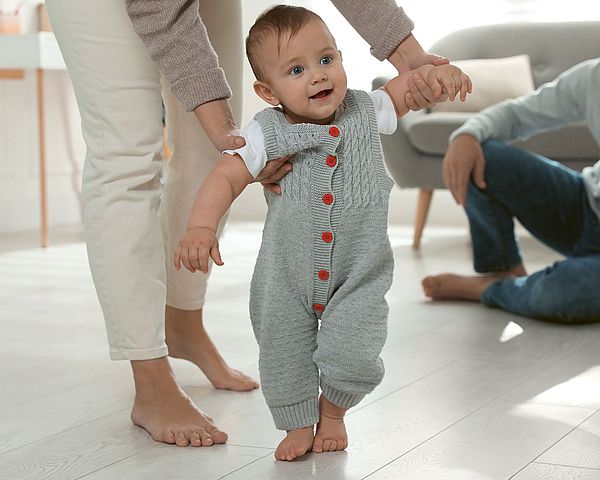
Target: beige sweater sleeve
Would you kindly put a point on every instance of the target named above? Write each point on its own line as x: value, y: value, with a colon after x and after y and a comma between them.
x: 380, y: 22
x: 177, y: 41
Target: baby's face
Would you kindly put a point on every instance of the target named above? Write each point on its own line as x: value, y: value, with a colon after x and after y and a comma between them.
x: 306, y: 76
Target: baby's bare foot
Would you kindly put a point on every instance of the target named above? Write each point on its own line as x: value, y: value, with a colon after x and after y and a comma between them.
x: 166, y: 412
x: 187, y: 339
x: 331, y: 431
x: 295, y: 444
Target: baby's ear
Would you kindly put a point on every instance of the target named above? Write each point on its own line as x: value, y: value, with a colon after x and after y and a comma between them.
x: 341, y: 57
x: 265, y: 92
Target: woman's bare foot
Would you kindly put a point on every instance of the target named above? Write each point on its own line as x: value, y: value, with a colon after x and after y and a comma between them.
x: 187, y: 339
x: 165, y: 411
x: 331, y: 433
x: 295, y: 444
x: 449, y: 286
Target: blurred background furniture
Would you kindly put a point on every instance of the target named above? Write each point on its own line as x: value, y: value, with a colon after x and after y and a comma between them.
x: 38, y: 52
x: 415, y: 151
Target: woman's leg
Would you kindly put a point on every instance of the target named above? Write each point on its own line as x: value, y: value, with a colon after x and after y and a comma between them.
x: 118, y: 93
x: 119, y: 96
x: 193, y: 158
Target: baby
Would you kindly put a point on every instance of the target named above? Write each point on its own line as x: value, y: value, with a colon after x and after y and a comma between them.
x: 317, y: 295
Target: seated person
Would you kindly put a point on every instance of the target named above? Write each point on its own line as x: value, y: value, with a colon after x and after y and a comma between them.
x: 496, y: 182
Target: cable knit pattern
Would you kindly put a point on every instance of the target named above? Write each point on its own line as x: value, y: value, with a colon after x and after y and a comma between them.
x: 325, y: 255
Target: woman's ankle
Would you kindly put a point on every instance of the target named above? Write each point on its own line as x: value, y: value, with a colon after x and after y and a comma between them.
x: 152, y: 375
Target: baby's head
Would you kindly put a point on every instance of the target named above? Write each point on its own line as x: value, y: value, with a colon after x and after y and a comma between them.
x: 297, y: 64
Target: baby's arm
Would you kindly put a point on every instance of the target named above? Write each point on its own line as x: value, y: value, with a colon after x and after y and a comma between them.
x: 216, y: 194
x: 437, y: 77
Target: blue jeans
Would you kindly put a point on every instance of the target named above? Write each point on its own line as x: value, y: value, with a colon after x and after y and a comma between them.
x: 550, y: 201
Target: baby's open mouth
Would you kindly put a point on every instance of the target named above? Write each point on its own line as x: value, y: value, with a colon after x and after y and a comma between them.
x: 322, y: 94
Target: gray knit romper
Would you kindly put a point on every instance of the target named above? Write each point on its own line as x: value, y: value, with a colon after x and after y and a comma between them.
x: 325, y: 255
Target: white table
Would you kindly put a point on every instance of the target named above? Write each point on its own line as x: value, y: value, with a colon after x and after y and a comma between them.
x: 34, y: 51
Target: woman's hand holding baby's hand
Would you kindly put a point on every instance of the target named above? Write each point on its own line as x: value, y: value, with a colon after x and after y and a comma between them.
x: 421, y: 95
x: 195, y: 248
x: 449, y: 79
x: 435, y: 84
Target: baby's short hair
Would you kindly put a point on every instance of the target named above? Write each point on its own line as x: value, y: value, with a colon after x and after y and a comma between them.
x: 278, y: 20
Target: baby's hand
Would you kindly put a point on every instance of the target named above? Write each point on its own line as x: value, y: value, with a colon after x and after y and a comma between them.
x: 448, y: 79
x: 194, y: 249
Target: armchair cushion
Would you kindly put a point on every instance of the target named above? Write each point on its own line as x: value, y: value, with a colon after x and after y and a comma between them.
x: 429, y: 134
x: 494, y: 80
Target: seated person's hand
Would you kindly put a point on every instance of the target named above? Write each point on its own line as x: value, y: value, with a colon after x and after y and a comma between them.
x: 464, y: 160
x: 195, y: 248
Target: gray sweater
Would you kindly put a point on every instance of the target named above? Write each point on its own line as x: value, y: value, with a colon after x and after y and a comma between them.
x: 177, y: 41
x: 573, y: 97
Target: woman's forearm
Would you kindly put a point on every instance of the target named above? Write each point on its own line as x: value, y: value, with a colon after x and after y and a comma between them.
x: 178, y: 43
x: 381, y: 23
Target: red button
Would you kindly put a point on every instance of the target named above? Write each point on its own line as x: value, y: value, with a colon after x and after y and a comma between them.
x: 323, y: 275
x: 327, y: 237
x: 328, y: 199
x: 317, y: 307
x: 334, y: 131
x: 331, y: 161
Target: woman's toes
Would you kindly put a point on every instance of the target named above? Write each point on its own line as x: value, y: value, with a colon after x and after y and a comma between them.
x: 217, y: 435
x: 181, y: 440
x: 195, y: 439
x: 167, y: 437
x: 206, y: 438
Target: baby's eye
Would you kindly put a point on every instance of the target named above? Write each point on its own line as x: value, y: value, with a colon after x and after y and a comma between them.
x: 297, y: 70
x: 326, y: 60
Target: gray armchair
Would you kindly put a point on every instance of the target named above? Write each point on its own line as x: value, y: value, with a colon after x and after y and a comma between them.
x: 414, y: 153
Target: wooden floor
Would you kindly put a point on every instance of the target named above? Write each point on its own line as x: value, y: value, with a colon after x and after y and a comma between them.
x: 469, y: 392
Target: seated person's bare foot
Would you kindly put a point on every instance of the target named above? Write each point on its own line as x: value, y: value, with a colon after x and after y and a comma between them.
x: 295, y: 444
x: 166, y: 412
x: 331, y: 433
x: 449, y: 286
x: 187, y: 339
